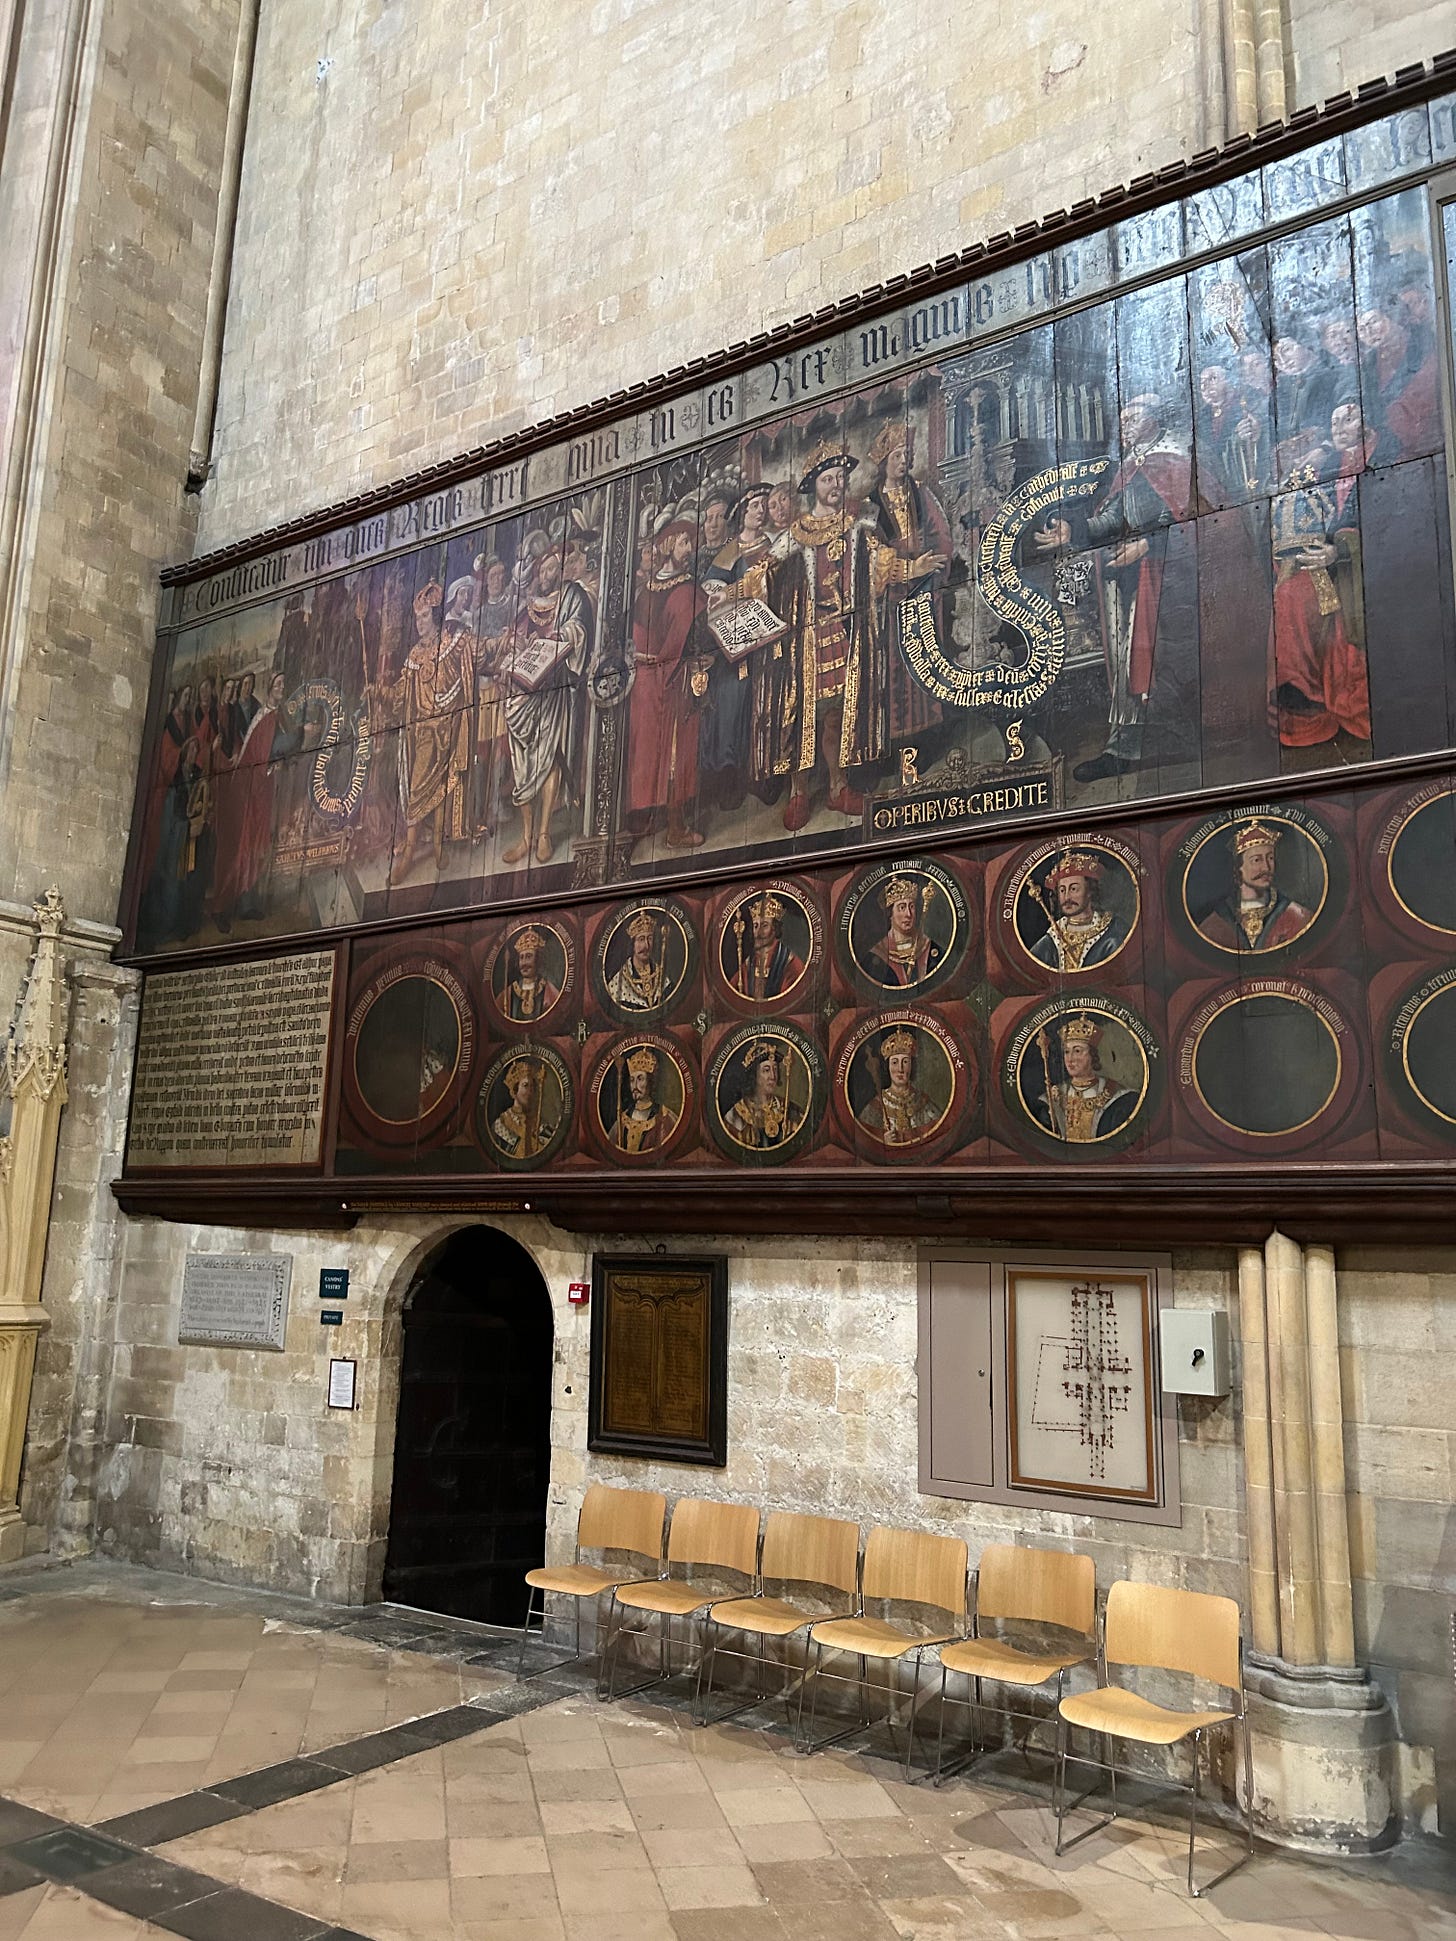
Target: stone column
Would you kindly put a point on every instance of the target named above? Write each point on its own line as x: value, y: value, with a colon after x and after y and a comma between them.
x: 1253, y: 64
x: 1258, y: 1456
x: 33, y: 1082
x: 1324, y: 1742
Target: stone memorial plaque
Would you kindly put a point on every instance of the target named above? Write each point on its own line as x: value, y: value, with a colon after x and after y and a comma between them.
x: 235, y: 1300
x: 231, y: 1064
x: 659, y: 1358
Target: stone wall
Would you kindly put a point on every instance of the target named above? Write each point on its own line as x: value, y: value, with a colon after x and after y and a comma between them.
x: 1397, y: 1334
x: 105, y: 505
x: 1337, y: 44
x: 497, y: 213
x: 227, y: 1462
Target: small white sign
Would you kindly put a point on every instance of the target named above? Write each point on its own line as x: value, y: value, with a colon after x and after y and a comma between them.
x: 235, y: 1300
x: 341, y: 1384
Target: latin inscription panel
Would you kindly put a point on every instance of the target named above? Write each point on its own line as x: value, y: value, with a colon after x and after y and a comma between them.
x: 231, y: 1064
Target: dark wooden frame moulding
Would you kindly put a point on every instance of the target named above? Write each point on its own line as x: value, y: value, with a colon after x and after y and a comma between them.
x: 711, y: 1451
x: 1384, y: 1201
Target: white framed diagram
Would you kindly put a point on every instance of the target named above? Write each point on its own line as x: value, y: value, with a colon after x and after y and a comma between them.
x: 1081, y: 1402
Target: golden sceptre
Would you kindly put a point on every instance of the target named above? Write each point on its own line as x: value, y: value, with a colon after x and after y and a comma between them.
x: 1054, y: 924
x: 1044, y: 1046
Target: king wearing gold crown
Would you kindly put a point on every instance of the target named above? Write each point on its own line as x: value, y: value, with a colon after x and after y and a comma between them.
x: 642, y: 983
x: 900, y: 1114
x: 521, y: 1131
x: 906, y: 955
x: 822, y: 696
x: 642, y: 1125
x: 1085, y: 1105
x: 759, y: 962
x: 1079, y: 933
x: 764, y: 1115
x: 529, y: 994
x: 1254, y: 913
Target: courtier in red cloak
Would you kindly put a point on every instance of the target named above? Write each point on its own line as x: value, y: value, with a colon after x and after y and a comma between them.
x: 1149, y: 491
x: 245, y: 811
x: 1321, y: 681
x: 662, y: 733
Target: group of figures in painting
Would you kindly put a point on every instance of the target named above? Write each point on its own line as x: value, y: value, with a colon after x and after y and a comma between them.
x: 776, y: 1006
x: 1155, y: 535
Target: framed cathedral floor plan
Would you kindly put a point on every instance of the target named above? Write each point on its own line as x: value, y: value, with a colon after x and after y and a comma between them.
x: 1080, y: 1375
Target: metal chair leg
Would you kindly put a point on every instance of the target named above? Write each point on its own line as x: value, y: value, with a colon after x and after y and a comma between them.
x: 812, y: 1680
x: 1063, y: 1806
x: 940, y: 1733
x: 707, y: 1660
x: 607, y: 1670
x: 526, y: 1627
x: 1247, y: 1854
x: 1193, y: 1811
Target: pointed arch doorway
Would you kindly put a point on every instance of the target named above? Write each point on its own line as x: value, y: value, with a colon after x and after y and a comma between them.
x: 472, y: 1447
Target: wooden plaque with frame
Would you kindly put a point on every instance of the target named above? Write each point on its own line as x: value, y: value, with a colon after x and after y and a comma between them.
x: 659, y: 1357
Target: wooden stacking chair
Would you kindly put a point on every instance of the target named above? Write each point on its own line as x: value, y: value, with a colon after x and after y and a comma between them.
x: 798, y: 1552
x: 900, y: 1567
x: 1155, y: 1628
x: 613, y: 1522
x: 702, y: 1536
x: 1018, y: 1585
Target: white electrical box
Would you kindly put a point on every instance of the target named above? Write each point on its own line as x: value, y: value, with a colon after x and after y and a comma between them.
x: 1195, y: 1351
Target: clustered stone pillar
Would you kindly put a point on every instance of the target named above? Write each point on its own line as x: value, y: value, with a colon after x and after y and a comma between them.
x: 1323, y: 1737
x: 1254, y: 64
x: 33, y: 1080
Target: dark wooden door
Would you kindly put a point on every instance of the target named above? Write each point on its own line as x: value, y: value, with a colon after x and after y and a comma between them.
x: 473, y: 1438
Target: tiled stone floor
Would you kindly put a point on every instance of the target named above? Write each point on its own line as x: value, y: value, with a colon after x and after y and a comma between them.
x: 567, y: 1822
x: 111, y: 1702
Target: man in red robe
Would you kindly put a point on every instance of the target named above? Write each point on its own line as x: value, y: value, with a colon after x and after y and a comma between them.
x: 245, y: 811
x: 1321, y: 682
x: 1149, y: 491
x: 662, y: 733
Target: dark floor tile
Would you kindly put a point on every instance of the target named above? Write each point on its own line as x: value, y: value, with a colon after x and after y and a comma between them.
x: 388, y: 1632
x: 19, y: 1822
x: 373, y: 1749
x: 270, y: 1784
x: 233, y: 1915
x: 439, y: 1728
x: 150, y: 1885
x: 70, y: 1852
x: 15, y: 1876
x: 341, y: 1934
x: 170, y: 1819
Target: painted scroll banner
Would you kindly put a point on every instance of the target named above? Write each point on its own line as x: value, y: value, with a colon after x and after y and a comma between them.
x: 231, y: 1064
